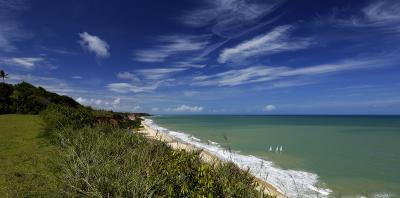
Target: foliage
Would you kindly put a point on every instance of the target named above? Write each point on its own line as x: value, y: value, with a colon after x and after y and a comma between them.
x: 6, y: 104
x: 60, y: 116
x: 104, y: 161
x: 25, y: 98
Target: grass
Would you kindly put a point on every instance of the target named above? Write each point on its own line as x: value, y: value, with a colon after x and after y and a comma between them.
x: 25, y: 158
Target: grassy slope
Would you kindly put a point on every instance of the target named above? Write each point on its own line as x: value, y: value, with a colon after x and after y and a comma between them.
x: 24, y: 157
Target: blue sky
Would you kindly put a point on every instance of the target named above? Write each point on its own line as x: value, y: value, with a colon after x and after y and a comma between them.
x: 209, y: 56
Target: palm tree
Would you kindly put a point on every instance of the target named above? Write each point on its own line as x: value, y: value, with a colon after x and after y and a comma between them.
x: 3, y: 75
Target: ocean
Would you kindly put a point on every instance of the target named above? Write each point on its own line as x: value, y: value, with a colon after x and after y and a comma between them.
x: 304, y: 156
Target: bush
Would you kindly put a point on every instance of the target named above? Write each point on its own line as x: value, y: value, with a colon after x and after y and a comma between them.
x: 5, y: 102
x: 56, y: 117
x: 101, y: 160
x: 106, y: 162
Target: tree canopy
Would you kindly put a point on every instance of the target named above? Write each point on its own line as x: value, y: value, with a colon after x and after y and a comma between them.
x: 24, y: 98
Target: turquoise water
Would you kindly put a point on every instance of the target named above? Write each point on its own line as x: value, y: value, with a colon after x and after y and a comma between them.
x: 352, y: 155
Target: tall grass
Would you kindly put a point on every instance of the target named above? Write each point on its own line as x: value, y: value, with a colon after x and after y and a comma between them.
x: 102, y: 161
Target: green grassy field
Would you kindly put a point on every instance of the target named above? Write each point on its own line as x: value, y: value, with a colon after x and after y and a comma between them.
x: 25, y: 158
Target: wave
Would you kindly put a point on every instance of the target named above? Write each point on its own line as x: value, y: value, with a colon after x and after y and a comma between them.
x: 292, y: 183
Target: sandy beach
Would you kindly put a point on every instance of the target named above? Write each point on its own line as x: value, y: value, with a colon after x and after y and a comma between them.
x: 205, y: 155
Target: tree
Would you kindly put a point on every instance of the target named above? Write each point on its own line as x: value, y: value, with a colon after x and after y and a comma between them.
x: 3, y: 75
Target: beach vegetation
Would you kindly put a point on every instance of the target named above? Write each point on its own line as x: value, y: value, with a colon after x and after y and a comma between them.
x: 101, y: 160
x: 74, y: 151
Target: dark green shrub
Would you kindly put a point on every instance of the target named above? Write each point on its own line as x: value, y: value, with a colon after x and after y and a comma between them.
x: 60, y: 116
x: 5, y: 102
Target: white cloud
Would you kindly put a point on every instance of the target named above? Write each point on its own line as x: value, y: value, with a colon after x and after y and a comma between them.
x: 382, y: 15
x: 128, y: 76
x: 276, y: 41
x: 135, y: 108
x: 150, y: 79
x: 186, y: 108
x: 154, y: 109
x: 81, y: 100
x: 11, y: 30
x: 94, y: 44
x: 228, y: 18
x: 268, y: 73
x: 25, y: 62
x: 190, y: 93
x: 159, y: 73
x: 126, y: 87
x: 383, y: 12
x: 76, y: 77
x: 99, y: 103
x: 116, y: 101
x: 188, y: 64
x: 171, y: 45
x: 269, y: 107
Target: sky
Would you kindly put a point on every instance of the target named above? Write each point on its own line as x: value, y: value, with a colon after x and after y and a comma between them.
x: 209, y: 56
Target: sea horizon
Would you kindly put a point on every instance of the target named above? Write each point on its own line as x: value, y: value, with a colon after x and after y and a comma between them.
x: 244, y: 114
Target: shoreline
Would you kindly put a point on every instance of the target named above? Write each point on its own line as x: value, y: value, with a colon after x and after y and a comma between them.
x: 206, y: 156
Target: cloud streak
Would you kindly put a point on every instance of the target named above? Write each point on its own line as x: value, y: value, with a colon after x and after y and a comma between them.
x: 28, y: 63
x: 256, y: 74
x: 11, y: 30
x: 127, y: 87
x: 170, y: 46
x: 276, y: 41
x: 159, y: 73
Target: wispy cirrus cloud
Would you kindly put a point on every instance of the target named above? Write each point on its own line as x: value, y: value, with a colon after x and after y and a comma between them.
x: 11, y: 30
x: 128, y: 76
x: 188, y: 64
x: 276, y: 41
x: 94, y: 45
x: 159, y: 73
x: 28, y: 63
x: 382, y: 15
x: 256, y: 74
x: 144, y: 80
x: 171, y: 45
x: 228, y: 18
x: 128, y: 87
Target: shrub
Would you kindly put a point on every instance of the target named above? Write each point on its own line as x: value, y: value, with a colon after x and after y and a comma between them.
x: 59, y: 116
x: 103, y: 161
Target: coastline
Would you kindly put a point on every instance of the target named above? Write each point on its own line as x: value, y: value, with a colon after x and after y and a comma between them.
x: 206, y: 155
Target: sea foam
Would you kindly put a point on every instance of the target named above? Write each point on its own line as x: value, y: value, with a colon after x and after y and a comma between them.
x: 292, y: 183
